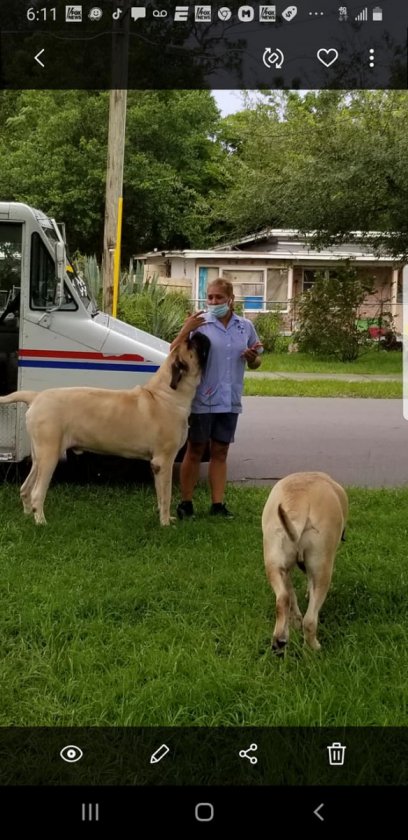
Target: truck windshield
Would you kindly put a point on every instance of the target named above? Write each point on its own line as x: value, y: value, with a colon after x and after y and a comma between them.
x: 78, y: 282
x: 80, y: 287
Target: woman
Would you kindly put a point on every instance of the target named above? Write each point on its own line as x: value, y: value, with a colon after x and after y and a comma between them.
x: 217, y: 404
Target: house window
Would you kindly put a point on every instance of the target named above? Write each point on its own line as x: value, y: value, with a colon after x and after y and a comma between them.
x: 310, y: 275
x: 248, y: 286
x: 276, y: 288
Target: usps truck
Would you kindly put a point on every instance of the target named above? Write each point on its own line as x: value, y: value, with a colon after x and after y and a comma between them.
x: 51, y: 332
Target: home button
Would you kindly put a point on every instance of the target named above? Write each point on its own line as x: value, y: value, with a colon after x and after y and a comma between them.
x: 204, y: 812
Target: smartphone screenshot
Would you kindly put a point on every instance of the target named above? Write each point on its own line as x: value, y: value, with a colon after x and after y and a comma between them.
x: 203, y: 415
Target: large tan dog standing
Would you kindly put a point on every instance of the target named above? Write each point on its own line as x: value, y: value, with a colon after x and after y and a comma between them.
x: 147, y: 422
x: 303, y: 522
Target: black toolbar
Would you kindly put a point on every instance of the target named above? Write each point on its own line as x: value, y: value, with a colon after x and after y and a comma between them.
x: 320, y: 44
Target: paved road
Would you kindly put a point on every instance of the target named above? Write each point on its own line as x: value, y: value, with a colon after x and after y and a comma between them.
x: 359, y: 442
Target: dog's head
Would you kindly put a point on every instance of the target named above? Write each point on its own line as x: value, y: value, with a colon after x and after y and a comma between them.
x: 190, y: 358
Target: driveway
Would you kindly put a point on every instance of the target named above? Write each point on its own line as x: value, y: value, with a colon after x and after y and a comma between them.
x: 359, y: 442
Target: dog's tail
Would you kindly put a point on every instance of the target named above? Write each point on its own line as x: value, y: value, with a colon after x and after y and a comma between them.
x: 287, y: 524
x: 19, y: 396
x: 294, y: 527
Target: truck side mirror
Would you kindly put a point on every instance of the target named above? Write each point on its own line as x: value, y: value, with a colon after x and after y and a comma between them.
x: 60, y: 262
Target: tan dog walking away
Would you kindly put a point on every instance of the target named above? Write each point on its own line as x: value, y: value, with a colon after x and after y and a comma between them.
x: 303, y: 522
x: 148, y: 422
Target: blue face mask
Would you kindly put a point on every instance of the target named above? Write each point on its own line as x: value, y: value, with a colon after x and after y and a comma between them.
x: 218, y: 309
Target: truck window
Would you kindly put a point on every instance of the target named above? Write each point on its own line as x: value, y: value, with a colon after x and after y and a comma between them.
x: 10, y: 261
x: 43, y: 279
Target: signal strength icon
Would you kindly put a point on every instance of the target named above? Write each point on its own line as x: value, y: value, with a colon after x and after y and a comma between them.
x: 362, y: 15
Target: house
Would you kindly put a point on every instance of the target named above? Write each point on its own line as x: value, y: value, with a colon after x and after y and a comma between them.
x: 270, y: 269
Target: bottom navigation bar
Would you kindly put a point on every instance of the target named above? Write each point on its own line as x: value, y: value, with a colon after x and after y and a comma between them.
x: 216, y: 808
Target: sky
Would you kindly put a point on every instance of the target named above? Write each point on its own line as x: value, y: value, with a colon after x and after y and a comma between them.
x: 231, y: 101
x: 228, y: 101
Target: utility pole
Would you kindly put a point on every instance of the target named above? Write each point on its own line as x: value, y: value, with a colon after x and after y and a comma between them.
x: 116, y: 151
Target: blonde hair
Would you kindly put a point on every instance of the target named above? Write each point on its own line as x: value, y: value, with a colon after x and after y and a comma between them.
x: 226, y: 286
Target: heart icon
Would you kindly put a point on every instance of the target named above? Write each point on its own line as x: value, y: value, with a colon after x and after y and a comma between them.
x: 327, y: 57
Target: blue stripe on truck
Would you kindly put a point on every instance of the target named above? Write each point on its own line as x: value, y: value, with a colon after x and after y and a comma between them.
x: 88, y: 366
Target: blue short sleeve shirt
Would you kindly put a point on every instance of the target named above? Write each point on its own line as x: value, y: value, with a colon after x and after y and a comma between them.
x: 220, y: 389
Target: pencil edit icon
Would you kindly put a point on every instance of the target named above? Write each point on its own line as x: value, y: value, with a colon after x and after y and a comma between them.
x: 159, y: 754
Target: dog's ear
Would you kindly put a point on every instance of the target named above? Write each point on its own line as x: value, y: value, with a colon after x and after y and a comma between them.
x: 177, y: 369
x: 201, y: 344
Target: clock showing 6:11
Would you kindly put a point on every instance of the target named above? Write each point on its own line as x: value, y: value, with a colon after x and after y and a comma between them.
x: 41, y: 14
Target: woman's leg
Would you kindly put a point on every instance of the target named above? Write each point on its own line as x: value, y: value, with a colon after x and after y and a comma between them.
x: 190, y: 469
x: 217, y: 472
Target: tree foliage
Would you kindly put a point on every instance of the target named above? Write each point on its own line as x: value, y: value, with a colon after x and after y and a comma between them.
x: 53, y: 151
x: 331, y: 162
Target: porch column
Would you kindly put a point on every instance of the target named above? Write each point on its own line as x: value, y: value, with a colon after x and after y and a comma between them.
x: 290, y: 296
x: 394, y: 292
x: 290, y: 284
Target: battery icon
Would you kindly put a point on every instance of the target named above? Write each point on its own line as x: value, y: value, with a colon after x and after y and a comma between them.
x: 377, y: 13
x: 159, y: 754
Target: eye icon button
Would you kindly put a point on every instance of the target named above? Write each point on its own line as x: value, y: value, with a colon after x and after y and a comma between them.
x: 71, y: 754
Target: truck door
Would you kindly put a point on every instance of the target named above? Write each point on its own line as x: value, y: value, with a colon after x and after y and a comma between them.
x: 10, y: 302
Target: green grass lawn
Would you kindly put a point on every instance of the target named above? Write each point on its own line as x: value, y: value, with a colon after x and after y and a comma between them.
x: 108, y: 619
x: 374, y: 361
x: 321, y: 388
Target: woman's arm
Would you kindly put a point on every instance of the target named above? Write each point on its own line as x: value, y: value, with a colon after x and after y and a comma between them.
x: 191, y: 323
x: 255, y: 363
x: 252, y: 356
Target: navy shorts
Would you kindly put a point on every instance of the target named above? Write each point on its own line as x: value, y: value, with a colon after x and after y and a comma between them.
x: 204, y: 427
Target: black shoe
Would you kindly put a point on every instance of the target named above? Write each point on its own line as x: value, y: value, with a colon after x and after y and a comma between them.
x: 219, y: 509
x: 185, y: 510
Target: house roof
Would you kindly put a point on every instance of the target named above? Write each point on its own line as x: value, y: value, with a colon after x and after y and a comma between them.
x: 289, y: 235
x: 281, y: 244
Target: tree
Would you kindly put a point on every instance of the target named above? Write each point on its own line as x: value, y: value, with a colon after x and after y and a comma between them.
x: 53, y: 153
x: 331, y: 162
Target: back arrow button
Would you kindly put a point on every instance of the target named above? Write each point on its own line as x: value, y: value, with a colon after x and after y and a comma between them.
x: 37, y: 58
x: 319, y: 808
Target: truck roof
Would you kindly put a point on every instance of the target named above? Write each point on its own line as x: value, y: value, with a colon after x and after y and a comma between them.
x: 17, y: 210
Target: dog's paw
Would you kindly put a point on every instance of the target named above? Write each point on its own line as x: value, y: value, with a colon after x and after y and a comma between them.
x: 278, y: 647
x: 312, y: 644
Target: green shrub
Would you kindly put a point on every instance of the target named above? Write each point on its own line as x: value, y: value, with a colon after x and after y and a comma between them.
x: 327, y: 315
x: 269, y: 326
x: 238, y: 307
x: 282, y: 343
x: 88, y: 268
x: 154, y: 310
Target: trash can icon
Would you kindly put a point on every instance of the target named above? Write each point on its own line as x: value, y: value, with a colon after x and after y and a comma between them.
x: 337, y: 753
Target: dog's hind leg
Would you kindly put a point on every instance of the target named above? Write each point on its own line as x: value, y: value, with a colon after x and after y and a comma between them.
x: 319, y: 569
x: 295, y: 615
x: 163, y: 473
x: 278, y: 579
x: 26, y: 487
x: 46, y: 463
